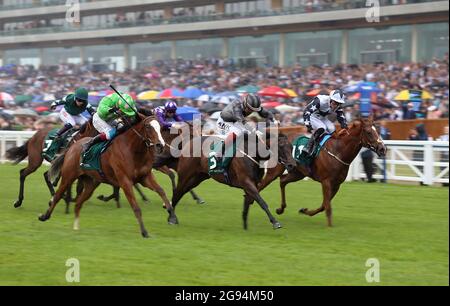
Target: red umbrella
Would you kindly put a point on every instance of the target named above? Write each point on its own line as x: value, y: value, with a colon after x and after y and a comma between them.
x: 171, y: 93
x: 41, y: 109
x: 273, y: 91
x: 316, y: 92
x: 271, y: 104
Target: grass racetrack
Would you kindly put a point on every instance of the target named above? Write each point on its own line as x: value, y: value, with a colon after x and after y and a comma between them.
x: 404, y: 227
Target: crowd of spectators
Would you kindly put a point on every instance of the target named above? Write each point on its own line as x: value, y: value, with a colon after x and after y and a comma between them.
x: 219, y: 75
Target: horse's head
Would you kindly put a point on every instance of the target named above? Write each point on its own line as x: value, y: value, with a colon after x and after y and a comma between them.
x: 285, y: 153
x: 152, y: 130
x: 370, y: 137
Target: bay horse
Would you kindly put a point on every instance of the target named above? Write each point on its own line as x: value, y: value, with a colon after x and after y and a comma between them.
x: 331, y: 166
x: 243, y: 172
x: 33, y: 149
x: 127, y: 161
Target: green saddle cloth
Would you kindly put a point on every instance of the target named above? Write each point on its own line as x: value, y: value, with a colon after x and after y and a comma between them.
x: 91, y: 160
x: 301, y: 157
x: 53, y: 146
x: 218, y: 165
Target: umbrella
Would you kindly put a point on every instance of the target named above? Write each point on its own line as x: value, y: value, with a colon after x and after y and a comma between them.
x: 148, y: 95
x: 225, y: 97
x: 271, y: 104
x: 362, y: 87
x: 25, y: 112
x: 170, y: 93
x: 204, y: 98
x: 6, y: 116
x: 21, y: 99
x: 291, y: 93
x: 192, y: 93
x: 248, y: 89
x: 410, y: 95
x: 316, y: 92
x: 188, y: 113
x: 287, y: 108
x: 273, y: 91
x: 4, y: 96
x: 41, y: 109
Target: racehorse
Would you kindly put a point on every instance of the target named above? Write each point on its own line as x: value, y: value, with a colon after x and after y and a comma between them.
x: 244, y: 173
x: 126, y: 162
x: 33, y: 149
x: 331, y: 166
x: 165, y: 162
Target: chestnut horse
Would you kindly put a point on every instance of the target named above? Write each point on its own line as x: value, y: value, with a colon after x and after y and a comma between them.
x: 244, y: 173
x: 33, y: 150
x: 330, y: 168
x: 164, y: 163
x: 126, y: 162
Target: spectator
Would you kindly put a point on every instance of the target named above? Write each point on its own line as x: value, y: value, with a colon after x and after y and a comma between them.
x: 408, y: 111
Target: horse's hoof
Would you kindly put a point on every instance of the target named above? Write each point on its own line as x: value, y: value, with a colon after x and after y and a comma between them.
x: 276, y: 225
x: 145, y: 234
x: 43, y: 218
x: 101, y: 198
x: 303, y: 211
x: 173, y: 221
x: 164, y: 206
x: 17, y: 204
x: 279, y: 211
x: 201, y: 201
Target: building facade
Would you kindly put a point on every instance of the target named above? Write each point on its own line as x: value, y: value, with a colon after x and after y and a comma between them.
x: 133, y: 34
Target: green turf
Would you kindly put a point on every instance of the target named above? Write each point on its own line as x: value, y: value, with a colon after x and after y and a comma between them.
x: 404, y: 227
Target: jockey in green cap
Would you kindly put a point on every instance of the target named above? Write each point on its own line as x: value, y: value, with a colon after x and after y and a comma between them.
x: 110, y: 109
x: 74, y: 105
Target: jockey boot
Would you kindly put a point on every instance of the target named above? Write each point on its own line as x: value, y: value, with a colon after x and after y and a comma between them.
x: 64, y: 129
x: 309, y: 149
x: 97, y: 139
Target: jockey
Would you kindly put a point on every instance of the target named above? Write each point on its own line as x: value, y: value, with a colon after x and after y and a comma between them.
x: 167, y: 114
x: 315, y: 117
x: 71, y: 114
x: 110, y: 109
x: 231, y: 123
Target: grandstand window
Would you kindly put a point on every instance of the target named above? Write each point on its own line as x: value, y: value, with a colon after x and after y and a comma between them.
x: 108, y: 56
x: 52, y: 56
x: 436, y: 35
x: 199, y: 49
x: 392, y: 44
x: 310, y: 48
x: 249, y: 51
x: 23, y: 57
x: 145, y: 54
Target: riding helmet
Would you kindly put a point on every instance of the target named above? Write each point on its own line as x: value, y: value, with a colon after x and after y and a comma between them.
x: 253, y: 102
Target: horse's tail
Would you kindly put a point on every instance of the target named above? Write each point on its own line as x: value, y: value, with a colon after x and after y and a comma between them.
x: 17, y: 154
x: 55, y: 169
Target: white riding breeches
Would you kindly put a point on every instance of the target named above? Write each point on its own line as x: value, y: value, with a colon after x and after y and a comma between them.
x: 103, y: 127
x: 226, y: 128
x: 318, y: 121
x: 71, y: 119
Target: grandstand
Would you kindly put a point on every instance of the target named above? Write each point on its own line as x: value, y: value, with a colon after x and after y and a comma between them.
x: 134, y: 33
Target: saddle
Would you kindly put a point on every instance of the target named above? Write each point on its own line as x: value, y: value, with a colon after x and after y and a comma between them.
x: 301, y: 142
x: 220, y: 157
x: 54, y: 146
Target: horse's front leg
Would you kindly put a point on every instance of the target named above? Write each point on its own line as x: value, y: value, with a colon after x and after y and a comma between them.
x: 284, y: 180
x: 250, y: 189
x: 329, y: 190
x: 150, y: 182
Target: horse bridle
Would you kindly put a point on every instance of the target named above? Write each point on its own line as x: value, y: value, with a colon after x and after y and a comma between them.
x: 147, y: 141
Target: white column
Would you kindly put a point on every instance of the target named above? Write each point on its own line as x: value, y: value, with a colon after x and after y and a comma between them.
x: 225, y: 50
x: 173, y: 50
x: 282, y: 51
x: 126, y: 55
x: 344, y: 47
x: 414, y: 43
x: 82, y: 54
